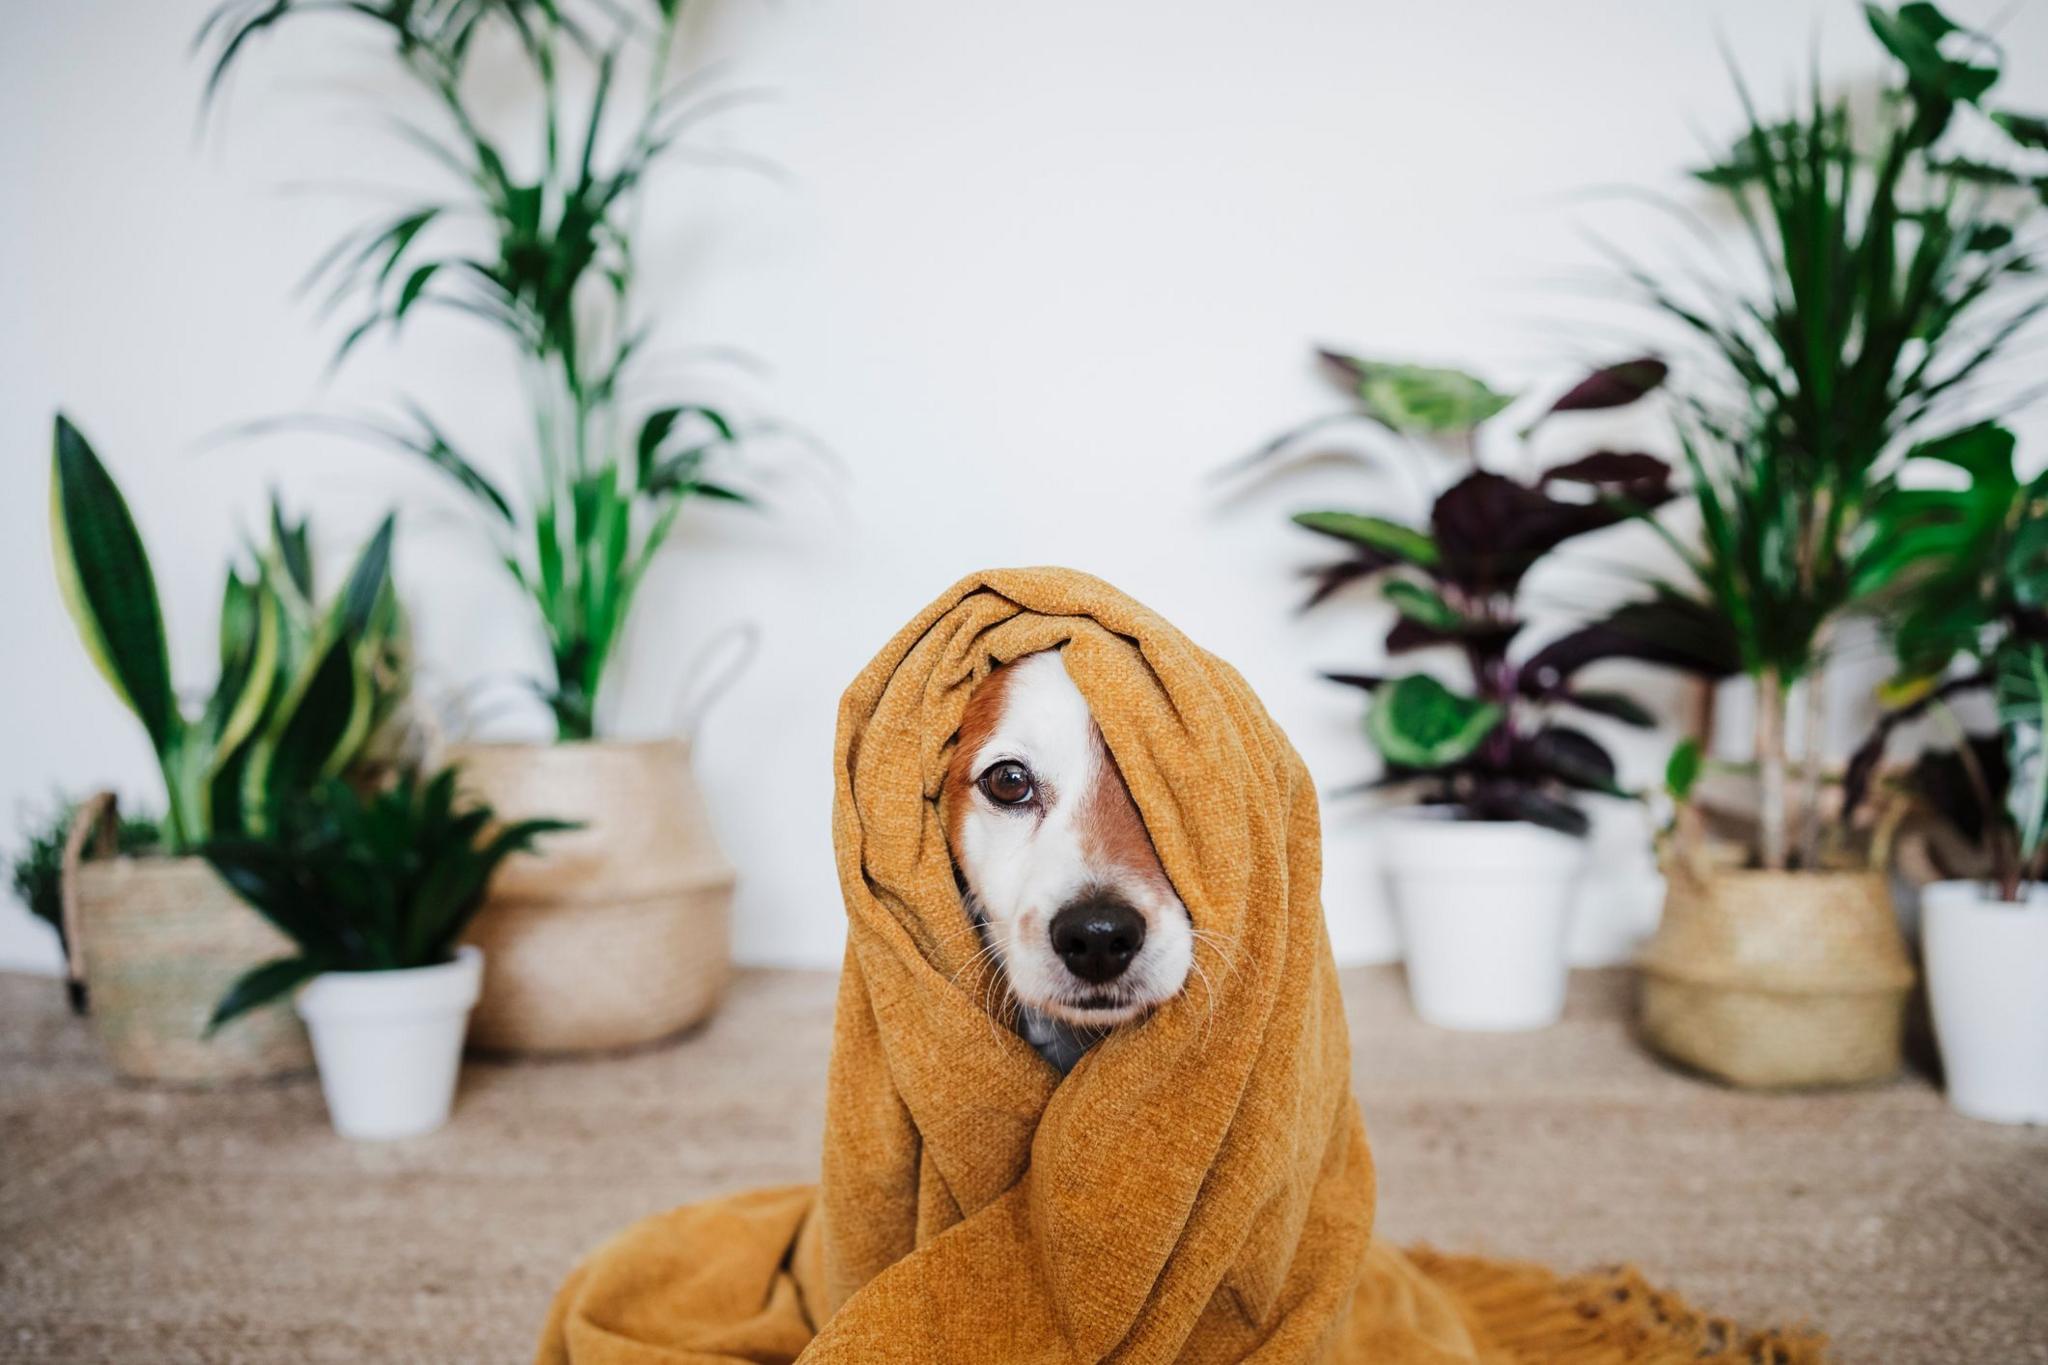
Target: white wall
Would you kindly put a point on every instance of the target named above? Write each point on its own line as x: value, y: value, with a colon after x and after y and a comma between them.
x: 1032, y: 271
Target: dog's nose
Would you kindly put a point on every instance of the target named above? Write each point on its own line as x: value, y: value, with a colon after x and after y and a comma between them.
x: 1097, y: 938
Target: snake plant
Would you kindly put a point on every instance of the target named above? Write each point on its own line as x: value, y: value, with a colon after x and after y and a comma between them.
x: 304, y: 692
x: 381, y: 880
x: 555, y: 275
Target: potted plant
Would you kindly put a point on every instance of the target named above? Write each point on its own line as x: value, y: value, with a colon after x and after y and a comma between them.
x: 641, y: 897
x: 1482, y: 876
x: 1891, y: 274
x: 373, y: 890
x: 304, y: 691
x: 1970, y: 613
x: 38, y: 871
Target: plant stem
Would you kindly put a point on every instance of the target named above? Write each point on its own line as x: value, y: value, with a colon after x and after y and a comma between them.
x: 1770, y: 757
x: 1812, y: 759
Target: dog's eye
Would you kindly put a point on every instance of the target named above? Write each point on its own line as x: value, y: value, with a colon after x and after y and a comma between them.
x: 1008, y: 784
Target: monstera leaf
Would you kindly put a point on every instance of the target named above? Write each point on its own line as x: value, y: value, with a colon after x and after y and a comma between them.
x: 1914, y: 34
x: 1417, y: 722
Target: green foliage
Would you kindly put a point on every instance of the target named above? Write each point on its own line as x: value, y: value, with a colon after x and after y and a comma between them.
x: 1892, y: 275
x: 1420, y: 400
x: 1682, y: 771
x: 1376, y: 533
x: 304, y: 692
x: 558, y: 280
x: 37, y: 871
x: 1417, y: 722
x: 376, y: 881
x: 1492, y: 753
x: 2021, y: 688
x: 1890, y: 282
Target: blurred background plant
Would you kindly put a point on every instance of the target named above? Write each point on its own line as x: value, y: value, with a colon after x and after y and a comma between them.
x: 1493, y: 752
x: 1968, y: 598
x: 366, y: 880
x: 304, y: 691
x: 1890, y: 274
x: 611, y: 471
x: 37, y: 871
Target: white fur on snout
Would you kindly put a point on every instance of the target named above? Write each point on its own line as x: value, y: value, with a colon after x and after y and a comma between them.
x: 1024, y: 864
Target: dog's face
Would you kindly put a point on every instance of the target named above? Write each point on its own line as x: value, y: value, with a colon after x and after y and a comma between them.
x: 1073, y: 901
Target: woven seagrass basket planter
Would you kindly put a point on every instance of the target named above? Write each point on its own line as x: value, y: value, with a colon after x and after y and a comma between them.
x: 614, y: 934
x: 158, y: 942
x: 1777, y: 980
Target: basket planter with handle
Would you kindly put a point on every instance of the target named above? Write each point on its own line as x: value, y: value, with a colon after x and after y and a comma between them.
x: 1777, y: 980
x: 620, y: 933
x: 157, y: 942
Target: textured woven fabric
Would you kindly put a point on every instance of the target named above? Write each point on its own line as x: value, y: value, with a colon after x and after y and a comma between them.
x: 1199, y: 1188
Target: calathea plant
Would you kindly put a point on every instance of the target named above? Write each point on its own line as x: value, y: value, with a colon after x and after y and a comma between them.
x: 611, y: 470
x: 1889, y: 273
x: 364, y: 881
x: 1494, y: 750
x: 1967, y: 575
x: 304, y: 691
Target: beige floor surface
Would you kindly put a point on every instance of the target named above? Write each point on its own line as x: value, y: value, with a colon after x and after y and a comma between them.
x: 151, y: 1227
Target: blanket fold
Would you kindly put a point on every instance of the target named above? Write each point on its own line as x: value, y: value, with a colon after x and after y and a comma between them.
x: 1199, y: 1187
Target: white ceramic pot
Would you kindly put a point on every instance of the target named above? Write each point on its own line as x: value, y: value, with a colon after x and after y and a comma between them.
x: 389, y: 1044
x: 1485, y: 911
x: 1987, y: 980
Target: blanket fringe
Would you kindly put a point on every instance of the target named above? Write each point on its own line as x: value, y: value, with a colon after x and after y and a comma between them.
x: 1608, y: 1317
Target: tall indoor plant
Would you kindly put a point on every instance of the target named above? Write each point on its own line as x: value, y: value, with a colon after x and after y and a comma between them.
x: 1888, y: 274
x: 1970, y: 613
x: 1483, y: 888
x: 304, y: 692
x: 608, y: 470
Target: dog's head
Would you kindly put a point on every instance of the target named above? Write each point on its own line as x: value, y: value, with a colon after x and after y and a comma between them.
x: 1069, y: 890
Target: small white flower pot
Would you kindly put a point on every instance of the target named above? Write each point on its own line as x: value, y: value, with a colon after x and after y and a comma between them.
x: 389, y: 1044
x: 1485, y: 911
x: 1987, y: 980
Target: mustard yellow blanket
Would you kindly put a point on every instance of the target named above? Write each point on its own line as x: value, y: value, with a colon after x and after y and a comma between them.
x: 1199, y: 1187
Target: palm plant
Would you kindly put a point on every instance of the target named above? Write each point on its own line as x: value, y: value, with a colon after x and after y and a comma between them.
x: 558, y: 280
x: 304, y: 692
x: 1892, y: 275
x: 1495, y: 751
x: 376, y: 881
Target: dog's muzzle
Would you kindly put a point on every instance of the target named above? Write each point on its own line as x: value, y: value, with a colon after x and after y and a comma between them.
x: 1097, y: 936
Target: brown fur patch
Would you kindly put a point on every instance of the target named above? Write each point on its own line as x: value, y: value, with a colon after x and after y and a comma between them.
x: 977, y: 723
x: 1112, y: 829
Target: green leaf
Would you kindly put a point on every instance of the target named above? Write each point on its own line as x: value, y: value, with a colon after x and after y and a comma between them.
x: 1913, y: 35
x: 1389, y: 537
x: 1682, y: 772
x: 293, y: 549
x: 1983, y: 451
x: 1420, y: 399
x: 367, y: 583
x: 2021, y: 689
x: 1419, y: 604
x: 260, y: 986
x: 1614, y: 705
x: 1417, y: 722
x: 310, y: 734
x: 2029, y: 130
x: 104, y: 575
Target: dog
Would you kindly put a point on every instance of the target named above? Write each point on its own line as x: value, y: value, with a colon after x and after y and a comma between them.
x: 1056, y: 868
